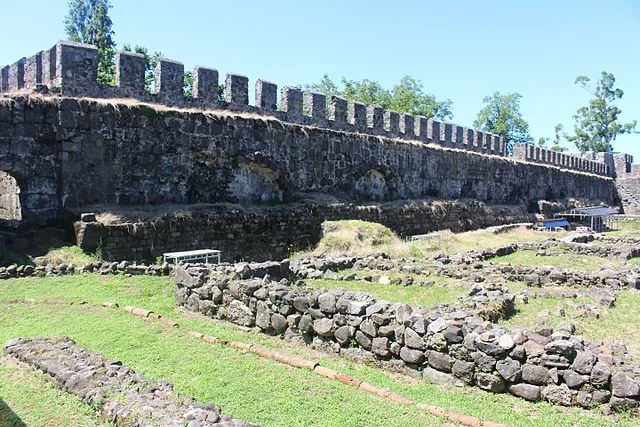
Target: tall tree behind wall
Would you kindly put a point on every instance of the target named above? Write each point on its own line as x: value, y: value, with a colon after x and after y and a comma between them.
x: 597, y: 124
x: 88, y: 21
x: 407, y: 96
x: 501, y: 115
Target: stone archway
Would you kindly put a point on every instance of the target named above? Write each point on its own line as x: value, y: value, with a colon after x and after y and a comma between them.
x: 372, y: 186
x: 10, y: 203
x: 255, y: 183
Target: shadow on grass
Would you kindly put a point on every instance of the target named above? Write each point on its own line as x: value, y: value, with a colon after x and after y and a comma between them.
x: 40, y: 247
x: 8, y: 418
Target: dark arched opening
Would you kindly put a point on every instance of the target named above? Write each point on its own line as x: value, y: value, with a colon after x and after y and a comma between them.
x: 10, y: 203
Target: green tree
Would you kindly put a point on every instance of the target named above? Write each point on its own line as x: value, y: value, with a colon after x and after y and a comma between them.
x: 325, y: 86
x: 557, y: 138
x: 150, y: 61
x: 365, y: 91
x: 408, y: 97
x: 596, y: 125
x: 501, y: 115
x: 88, y: 21
x: 405, y: 97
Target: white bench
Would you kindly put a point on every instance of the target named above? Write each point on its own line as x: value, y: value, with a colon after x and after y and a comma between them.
x: 200, y: 255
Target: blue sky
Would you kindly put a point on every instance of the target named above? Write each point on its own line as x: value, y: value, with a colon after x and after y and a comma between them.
x: 461, y: 50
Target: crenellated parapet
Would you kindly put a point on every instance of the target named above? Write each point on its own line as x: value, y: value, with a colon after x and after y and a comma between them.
x: 70, y: 69
x: 533, y: 154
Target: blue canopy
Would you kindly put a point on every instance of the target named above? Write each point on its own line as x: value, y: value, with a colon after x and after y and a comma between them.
x: 552, y: 223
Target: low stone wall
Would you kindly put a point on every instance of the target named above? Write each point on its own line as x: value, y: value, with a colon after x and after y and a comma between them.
x: 610, y: 251
x: 558, y: 366
x: 122, y: 267
x: 246, y: 234
x: 116, y: 391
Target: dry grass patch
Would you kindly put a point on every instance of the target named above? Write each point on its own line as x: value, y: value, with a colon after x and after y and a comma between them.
x: 355, y: 237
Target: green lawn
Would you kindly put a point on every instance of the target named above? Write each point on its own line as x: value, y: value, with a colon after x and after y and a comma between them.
x: 226, y: 376
x: 618, y: 323
x: 626, y: 229
x: 442, y: 291
x: 27, y: 397
x: 558, y: 259
x: 452, y: 243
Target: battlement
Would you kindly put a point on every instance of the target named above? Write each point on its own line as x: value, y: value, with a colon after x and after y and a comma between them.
x: 531, y: 153
x: 70, y: 69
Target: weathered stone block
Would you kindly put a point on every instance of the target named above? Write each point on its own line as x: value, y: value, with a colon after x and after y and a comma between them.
x: 623, y: 385
x: 380, y: 346
x: 464, y: 370
x: 440, y: 361
x: 392, y: 123
x: 600, y: 375
x: 237, y: 90
x: 315, y: 106
x: 16, y: 75
x: 292, y: 103
x: 357, y: 115
x: 411, y: 356
x: 363, y: 340
x: 338, y: 111
x: 490, y: 382
x: 205, y: 85
x: 407, y: 126
x: 130, y: 73
x: 526, y: 391
x: 240, y: 314
x: 375, y: 119
x: 559, y: 394
x: 534, y: 374
x: 33, y: 71
x: 76, y: 67
x: 413, y: 340
x: 323, y: 327
x: 509, y: 369
x: 266, y: 95
x: 169, y: 80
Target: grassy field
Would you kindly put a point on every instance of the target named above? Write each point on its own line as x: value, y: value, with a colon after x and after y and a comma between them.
x: 558, y: 259
x: 443, y: 291
x: 451, y: 243
x: 223, y: 375
x: 626, y: 228
x: 356, y: 237
x: 30, y: 398
x: 288, y: 396
x: 615, y: 324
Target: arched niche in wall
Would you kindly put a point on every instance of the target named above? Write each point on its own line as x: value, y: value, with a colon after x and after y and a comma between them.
x: 255, y: 183
x: 10, y: 204
x: 372, y: 185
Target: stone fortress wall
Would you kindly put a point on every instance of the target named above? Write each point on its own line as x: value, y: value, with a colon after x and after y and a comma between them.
x: 627, y: 176
x: 531, y: 153
x: 73, y: 146
x: 68, y: 153
x: 72, y: 67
